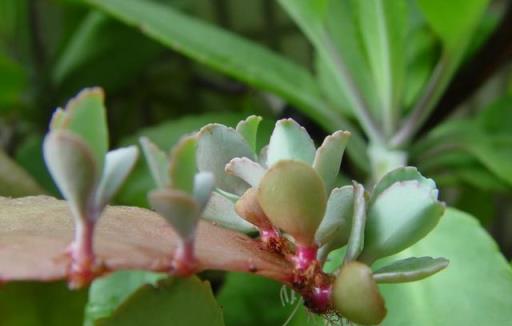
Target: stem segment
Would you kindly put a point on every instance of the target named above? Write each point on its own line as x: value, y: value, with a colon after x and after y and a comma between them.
x: 81, y: 271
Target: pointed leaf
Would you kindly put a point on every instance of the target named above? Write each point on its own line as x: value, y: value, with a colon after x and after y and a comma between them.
x: 293, y: 197
x: 248, y: 129
x: 221, y: 211
x: 173, y: 301
x: 290, y: 141
x: 399, y: 216
x: 72, y: 166
x: 247, y: 170
x: 356, y: 241
x: 35, y: 231
x: 328, y: 156
x: 178, y: 208
x: 85, y: 117
x: 334, y: 230
x: 410, y: 269
x: 182, y: 167
x: 157, y: 162
x: 118, y: 165
x: 217, y: 146
x: 204, y: 183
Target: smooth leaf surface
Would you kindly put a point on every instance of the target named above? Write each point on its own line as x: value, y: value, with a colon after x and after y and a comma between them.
x: 329, y: 155
x: 174, y: 301
x: 182, y: 168
x: 157, y: 161
x: 248, y: 129
x: 35, y: 231
x: 290, y: 141
x: 247, y: 170
x: 221, y: 210
x: 356, y: 240
x: 410, y: 269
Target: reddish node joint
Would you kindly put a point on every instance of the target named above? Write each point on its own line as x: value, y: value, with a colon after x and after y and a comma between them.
x: 82, y: 269
x: 185, y: 262
x: 304, y: 256
x: 319, y: 300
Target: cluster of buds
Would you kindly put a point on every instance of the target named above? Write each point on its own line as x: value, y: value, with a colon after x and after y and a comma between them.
x: 286, y: 192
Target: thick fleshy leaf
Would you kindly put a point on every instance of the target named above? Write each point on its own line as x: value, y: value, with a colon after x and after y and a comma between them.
x: 247, y: 170
x: 74, y: 170
x: 293, y: 197
x: 410, y: 269
x: 182, y: 168
x: 328, y: 157
x: 217, y: 146
x: 249, y: 208
x: 407, y: 173
x: 248, y: 129
x: 204, y: 183
x: 356, y: 241
x: 35, y: 231
x: 356, y: 295
x: 290, y: 141
x: 107, y: 293
x: 178, y: 208
x: 118, y: 165
x: 84, y: 116
x: 400, y: 215
x: 173, y: 301
x: 157, y: 162
x: 221, y: 210
x: 334, y: 230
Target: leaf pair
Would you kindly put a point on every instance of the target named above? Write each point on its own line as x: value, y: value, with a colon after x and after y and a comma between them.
x: 75, y: 151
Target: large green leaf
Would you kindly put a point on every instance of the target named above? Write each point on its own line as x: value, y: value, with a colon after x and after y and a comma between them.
x: 40, y: 304
x: 453, y: 20
x: 179, y: 302
x: 223, y: 51
x: 107, y: 293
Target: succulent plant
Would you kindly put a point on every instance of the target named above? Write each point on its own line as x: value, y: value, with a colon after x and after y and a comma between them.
x: 75, y: 151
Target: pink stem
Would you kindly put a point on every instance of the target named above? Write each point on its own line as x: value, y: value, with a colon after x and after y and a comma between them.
x: 268, y: 235
x: 82, y: 255
x: 185, y: 262
x: 304, y: 256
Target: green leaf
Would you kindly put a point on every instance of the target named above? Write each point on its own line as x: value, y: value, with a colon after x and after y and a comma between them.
x: 221, y: 210
x: 72, y: 166
x: 329, y: 155
x: 178, y: 301
x: 157, y: 163
x: 334, y: 230
x: 290, y: 141
x: 204, y: 183
x: 81, y: 113
x: 178, y: 208
x: 217, y: 146
x: 383, y: 28
x: 401, y: 211
x: 222, y: 51
x: 247, y: 170
x: 293, y: 197
x: 41, y: 304
x: 248, y: 129
x: 182, y: 167
x: 14, y: 180
x: 454, y: 20
x: 107, y: 293
x: 356, y: 241
x: 410, y: 269
x: 118, y: 165
x: 478, y: 276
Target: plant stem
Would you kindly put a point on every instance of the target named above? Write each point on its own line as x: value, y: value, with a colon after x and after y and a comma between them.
x: 185, y: 262
x: 304, y: 256
x: 81, y: 270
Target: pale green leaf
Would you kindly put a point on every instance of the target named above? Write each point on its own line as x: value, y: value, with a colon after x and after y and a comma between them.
x: 290, y: 141
x: 329, y: 155
x: 182, y: 166
x: 410, y: 269
x: 247, y: 170
x: 157, y: 163
x: 220, y: 210
x: 248, y: 128
x: 204, y: 183
x: 356, y: 240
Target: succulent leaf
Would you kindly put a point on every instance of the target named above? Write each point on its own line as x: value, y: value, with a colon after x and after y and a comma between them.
x: 248, y: 129
x: 157, y: 162
x: 356, y: 295
x: 400, y: 214
x: 220, y: 210
x: 290, y: 141
x: 85, y: 117
x: 118, y: 164
x: 247, y: 170
x: 204, y: 183
x: 293, y: 197
x: 217, y: 146
x: 329, y: 155
x: 178, y: 208
x: 182, y: 167
x: 74, y: 169
x: 356, y: 240
x: 410, y: 269
x: 248, y: 207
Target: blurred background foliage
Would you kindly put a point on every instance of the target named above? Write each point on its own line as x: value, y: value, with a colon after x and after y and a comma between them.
x: 50, y: 49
